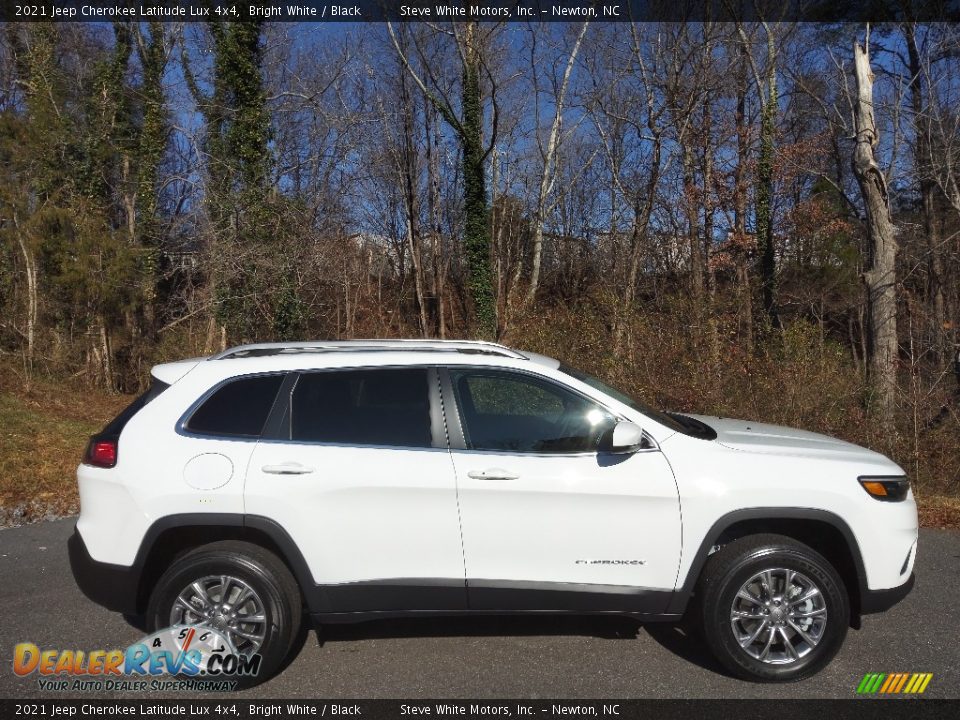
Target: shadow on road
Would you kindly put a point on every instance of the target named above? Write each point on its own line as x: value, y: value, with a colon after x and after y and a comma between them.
x: 679, y: 639
x: 140, y: 623
x: 685, y: 644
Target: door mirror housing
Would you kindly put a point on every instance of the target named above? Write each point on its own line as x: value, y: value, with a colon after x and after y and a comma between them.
x: 627, y: 437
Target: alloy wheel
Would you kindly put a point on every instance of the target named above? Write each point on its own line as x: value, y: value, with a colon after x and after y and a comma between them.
x: 778, y: 616
x: 226, y: 604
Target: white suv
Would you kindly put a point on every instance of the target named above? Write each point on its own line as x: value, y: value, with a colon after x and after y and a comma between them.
x: 368, y: 479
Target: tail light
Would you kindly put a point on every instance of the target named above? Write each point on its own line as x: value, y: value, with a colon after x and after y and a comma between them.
x: 101, y: 453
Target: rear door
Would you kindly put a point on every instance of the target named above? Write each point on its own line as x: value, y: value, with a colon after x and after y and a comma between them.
x: 357, y: 471
x: 550, y: 521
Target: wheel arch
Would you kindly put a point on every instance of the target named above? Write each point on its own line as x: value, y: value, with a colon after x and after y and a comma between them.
x: 171, y: 536
x: 824, y: 531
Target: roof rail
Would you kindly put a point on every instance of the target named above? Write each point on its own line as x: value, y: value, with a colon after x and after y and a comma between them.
x: 407, y: 344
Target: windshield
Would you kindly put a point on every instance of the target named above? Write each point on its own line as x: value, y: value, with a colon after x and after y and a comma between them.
x: 675, y: 421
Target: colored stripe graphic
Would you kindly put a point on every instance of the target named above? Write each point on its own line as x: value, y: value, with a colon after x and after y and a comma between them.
x: 870, y: 683
x: 918, y: 683
x: 894, y: 683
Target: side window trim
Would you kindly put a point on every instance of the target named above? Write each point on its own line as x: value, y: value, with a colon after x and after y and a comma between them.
x: 455, y: 425
x: 181, y: 425
x: 451, y: 411
x: 438, y: 424
x: 279, y: 429
x: 277, y: 426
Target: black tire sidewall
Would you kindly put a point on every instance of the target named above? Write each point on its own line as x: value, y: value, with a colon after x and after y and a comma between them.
x: 717, y: 606
x: 280, y: 623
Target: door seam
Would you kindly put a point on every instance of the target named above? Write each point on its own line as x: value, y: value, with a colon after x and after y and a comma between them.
x: 456, y: 480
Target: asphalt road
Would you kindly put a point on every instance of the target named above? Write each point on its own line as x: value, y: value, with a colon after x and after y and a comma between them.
x: 515, y: 657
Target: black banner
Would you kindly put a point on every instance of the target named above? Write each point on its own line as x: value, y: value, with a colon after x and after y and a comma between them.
x: 481, y: 10
x: 231, y: 707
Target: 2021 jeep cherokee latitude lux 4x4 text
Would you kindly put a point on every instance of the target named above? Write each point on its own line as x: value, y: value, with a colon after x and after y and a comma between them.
x: 354, y: 480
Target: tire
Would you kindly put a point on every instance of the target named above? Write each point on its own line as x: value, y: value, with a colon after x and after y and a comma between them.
x: 823, y: 616
x: 276, y: 598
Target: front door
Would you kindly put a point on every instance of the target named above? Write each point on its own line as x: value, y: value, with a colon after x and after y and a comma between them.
x: 550, y: 521
x: 361, y: 479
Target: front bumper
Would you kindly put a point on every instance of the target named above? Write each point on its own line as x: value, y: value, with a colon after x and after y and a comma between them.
x: 877, y: 601
x: 115, y: 587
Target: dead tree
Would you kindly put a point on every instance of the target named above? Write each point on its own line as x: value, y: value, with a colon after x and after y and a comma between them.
x: 880, y: 276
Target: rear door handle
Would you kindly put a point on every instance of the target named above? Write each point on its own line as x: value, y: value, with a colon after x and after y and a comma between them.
x: 287, y: 468
x: 492, y: 474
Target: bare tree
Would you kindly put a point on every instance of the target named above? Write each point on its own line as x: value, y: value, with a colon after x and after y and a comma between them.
x: 548, y: 150
x: 472, y: 46
x: 766, y: 81
x: 880, y: 276
x: 630, y: 113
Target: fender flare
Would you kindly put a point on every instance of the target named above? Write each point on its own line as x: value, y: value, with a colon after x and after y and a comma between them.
x: 288, y: 550
x: 682, y: 595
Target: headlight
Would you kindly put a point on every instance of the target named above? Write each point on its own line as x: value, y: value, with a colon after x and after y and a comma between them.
x: 886, y: 488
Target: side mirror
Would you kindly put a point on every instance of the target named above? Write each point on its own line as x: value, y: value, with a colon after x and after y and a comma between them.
x: 627, y: 437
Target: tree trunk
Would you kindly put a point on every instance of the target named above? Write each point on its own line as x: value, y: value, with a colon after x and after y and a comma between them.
x: 30, y: 268
x: 408, y: 169
x: 693, y: 224
x: 921, y: 161
x: 707, y: 203
x: 475, y: 205
x: 476, y: 208
x: 549, y: 165
x: 438, y: 261
x: 642, y: 212
x: 106, y: 361
x: 768, y: 267
x: 741, y: 249
x: 880, y: 276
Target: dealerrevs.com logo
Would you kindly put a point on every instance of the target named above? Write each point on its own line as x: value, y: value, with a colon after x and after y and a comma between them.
x: 200, y: 658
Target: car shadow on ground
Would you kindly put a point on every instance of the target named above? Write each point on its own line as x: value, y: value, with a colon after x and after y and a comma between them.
x: 686, y: 644
x: 677, y: 639
x: 300, y: 639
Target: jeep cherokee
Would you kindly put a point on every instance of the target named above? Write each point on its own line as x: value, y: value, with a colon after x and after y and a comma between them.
x: 369, y: 479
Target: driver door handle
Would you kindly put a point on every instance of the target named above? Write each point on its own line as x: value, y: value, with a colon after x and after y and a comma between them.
x: 287, y: 468
x: 492, y: 474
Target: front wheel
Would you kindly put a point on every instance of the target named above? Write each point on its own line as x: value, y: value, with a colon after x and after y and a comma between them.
x: 772, y: 609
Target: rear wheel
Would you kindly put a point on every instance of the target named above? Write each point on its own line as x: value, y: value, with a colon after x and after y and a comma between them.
x: 772, y: 609
x: 240, y: 590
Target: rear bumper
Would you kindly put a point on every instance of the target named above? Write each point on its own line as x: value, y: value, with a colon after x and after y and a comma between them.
x: 115, y: 587
x: 876, y: 601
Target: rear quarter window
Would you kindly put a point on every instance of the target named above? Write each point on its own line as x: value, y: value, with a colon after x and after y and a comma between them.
x: 238, y: 408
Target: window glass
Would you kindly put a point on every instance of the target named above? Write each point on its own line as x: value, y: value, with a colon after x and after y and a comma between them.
x: 675, y: 421
x: 514, y: 412
x: 388, y: 407
x: 239, y: 408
